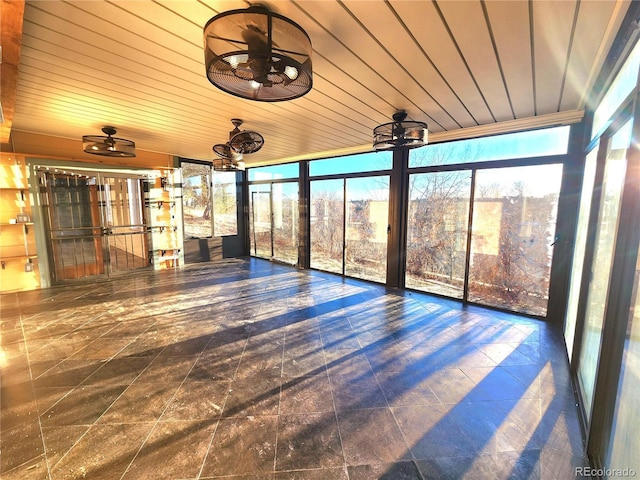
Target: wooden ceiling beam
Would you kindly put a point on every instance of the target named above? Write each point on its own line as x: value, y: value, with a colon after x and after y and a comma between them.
x: 11, y: 16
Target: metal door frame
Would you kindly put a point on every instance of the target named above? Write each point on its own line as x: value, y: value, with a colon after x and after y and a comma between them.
x: 101, y: 231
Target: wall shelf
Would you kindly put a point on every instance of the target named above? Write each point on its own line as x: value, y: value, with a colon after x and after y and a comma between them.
x: 18, y: 258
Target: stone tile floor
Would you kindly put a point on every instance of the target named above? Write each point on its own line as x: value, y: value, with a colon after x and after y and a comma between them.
x: 248, y: 369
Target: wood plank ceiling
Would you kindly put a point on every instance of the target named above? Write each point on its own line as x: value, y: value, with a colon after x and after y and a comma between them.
x: 458, y: 65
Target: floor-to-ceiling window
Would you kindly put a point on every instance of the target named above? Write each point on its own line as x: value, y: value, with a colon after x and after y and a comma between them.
x: 209, y: 201
x: 274, y: 213
x: 601, y: 330
x: 499, y: 255
x: 580, y: 244
x: 349, y: 215
x: 606, y: 229
x: 623, y: 448
x: 327, y: 225
x: 437, y: 232
x: 513, y: 230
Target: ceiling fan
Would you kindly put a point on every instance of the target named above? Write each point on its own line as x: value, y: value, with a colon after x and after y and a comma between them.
x: 108, y: 146
x: 257, y: 54
x: 240, y: 142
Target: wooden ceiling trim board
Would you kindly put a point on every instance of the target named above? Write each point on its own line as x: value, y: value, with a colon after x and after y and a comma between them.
x: 368, y: 54
x: 434, y: 40
x: 363, y: 94
x: 565, y: 73
x: 405, y: 51
x: 357, y: 105
x: 192, y: 12
x: 465, y: 20
x: 588, y: 49
x: 147, y: 114
x: 513, y: 44
x: 175, y: 94
x: 11, y: 41
x: 553, y: 25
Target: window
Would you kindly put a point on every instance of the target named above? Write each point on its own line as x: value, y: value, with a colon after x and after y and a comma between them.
x: 366, y: 162
x: 513, y: 229
x: 622, y: 86
x: 533, y: 143
x: 274, y: 172
x: 349, y: 235
x: 606, y: 230
x: 327, y: 225
x: 196, y: 199
x: 437, y: 232
x: 225, y: 204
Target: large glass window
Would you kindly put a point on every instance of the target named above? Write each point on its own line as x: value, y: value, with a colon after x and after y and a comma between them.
x: 327, y: 225
x: 285, y: 217
x: 437, y: 232
x: 366, y: 228
x: 533, y: 143
x: 606, y: 230
x: 365, y: 162
x: 274, y: 172
x: 260, y: 220
x: 577, y: 265
x: 514, y: 217
x: 273, y: 221
x: 349, y: 235
x: 196, y: 199
x: 225, y: 204
x: 625, y: 441
x: 622, y: 86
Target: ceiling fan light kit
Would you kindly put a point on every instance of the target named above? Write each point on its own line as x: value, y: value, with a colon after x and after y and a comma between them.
x: 257, y: 54
x: 401, y: 133
x: 108, y: 146
x: 228, y: 165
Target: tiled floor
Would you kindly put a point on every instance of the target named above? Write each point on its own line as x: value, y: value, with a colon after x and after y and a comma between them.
x: 246, y: 369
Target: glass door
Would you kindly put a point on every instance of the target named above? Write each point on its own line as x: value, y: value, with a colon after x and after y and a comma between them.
x: 367, y: 219
x: 512, y: 237
x: 123, y: 224
x: 327, y: 225
x: 284, y: 197
x: 437, y: 232
x: 260, y: 221
x: 274, y: 221
x: 605, y: 237
x: 95, y: 224
x: 74, y: 225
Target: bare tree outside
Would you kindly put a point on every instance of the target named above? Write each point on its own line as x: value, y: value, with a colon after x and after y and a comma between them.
x: 513, y: 230
x: 327, y: 225
x: 437, y: 234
